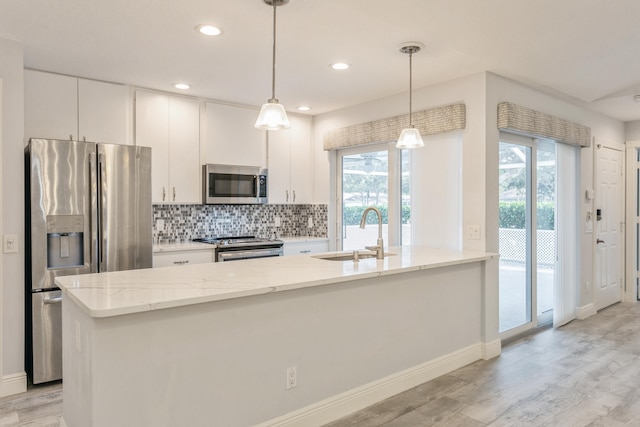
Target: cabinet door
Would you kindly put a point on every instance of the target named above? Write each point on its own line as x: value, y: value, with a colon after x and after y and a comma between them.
x: 103, y: 112
x: 184, y: 151
x: 232, y: 138
x: 300, y: 160
x: 279, y: 149
x: 50, y: 106
x: 152, y: 130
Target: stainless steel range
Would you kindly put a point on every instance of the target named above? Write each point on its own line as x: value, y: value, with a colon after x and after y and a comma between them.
x: 243, y: 247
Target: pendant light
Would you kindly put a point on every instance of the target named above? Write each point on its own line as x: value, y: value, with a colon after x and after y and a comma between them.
x: 272, y: 114
x: 410, y: 137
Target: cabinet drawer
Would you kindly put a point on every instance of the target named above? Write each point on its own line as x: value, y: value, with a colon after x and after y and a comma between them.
x: 182, y: 258
x: 304, y: 248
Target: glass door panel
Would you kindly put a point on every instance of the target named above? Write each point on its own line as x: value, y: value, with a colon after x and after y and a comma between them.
x: 527, y: 197
x: 364, y: 183
x: 515, y: 179
x: 546, y: 230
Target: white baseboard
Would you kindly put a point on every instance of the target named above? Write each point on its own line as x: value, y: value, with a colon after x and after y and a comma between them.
x: 360, y: 397
x: 586, y: 311
x: 13, y: 384
x: 492, y: 349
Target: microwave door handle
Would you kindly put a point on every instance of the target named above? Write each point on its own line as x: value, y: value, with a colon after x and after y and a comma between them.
x: 256, y: 185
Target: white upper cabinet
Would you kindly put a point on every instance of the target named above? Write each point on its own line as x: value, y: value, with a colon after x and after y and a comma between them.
x: 171, y: 127
x: 290, y: 163
x: 63, y: 107
x: 231, y: 138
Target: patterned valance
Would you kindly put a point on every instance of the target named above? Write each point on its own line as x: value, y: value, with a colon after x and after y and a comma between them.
x: 428, y: 122
x: 514, y: 118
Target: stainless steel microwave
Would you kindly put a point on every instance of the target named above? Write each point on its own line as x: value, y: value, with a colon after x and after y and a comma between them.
x: 226, y: 184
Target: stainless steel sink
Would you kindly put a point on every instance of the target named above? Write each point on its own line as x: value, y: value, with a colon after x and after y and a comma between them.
x: 348, y: 256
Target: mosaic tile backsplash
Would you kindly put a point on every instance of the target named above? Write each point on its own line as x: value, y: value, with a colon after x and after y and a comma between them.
x: 187, y: 222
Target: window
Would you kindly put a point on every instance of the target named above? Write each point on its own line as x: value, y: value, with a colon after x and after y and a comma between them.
x: 374, y: 175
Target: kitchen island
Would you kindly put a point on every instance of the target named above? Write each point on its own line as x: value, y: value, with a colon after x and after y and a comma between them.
x: 273, y: 341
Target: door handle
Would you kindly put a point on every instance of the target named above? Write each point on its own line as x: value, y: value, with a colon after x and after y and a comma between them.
x: 598, y: 241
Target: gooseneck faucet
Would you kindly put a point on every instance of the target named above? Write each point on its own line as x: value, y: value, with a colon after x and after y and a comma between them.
x: 379, y: 247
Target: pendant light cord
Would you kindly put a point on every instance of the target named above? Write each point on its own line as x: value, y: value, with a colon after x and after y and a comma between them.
x: 273, y: 68
x: 410, y: 87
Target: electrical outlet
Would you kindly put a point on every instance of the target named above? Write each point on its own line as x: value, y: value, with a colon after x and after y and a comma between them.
x: 310, y: 223
x: 160, y: 225
x: 473, y: 232
x: 276, y: 221
x: 292, y: 377
x: 10, y: 242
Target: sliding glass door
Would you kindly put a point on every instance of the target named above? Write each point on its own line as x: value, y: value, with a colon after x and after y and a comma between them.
x: 527, y: 196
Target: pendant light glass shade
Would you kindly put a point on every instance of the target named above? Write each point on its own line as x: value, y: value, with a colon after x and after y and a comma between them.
x: 272, y: 114
x: 410, y: 137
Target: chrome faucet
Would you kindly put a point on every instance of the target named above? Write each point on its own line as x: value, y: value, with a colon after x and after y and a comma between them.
x: 379, y: 247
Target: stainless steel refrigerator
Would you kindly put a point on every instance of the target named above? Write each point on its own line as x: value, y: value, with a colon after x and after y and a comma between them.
x: 88, y: 210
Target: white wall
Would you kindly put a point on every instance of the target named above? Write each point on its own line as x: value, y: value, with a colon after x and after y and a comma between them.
x: 500, y: 89
x: 470, y: 91
x: 12, y: 275
x: 481, y: 94
x: 632, y: 131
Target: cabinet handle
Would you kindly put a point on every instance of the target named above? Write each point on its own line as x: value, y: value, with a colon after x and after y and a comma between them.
x: 181, y: 262
x: 164, y: 194
x: 174, y: 194
x: 287, y: 196
x: 294, y: 196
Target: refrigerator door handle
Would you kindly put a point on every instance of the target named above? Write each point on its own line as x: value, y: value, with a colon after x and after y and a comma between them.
x: 57, y: 300
x: 93, y: 215
x: 102, y: 180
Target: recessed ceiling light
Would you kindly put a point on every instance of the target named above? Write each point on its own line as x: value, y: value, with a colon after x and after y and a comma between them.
x: 182, y: 86
x: 304, y: 108
x: 208, y: 30
x: 340, y: 66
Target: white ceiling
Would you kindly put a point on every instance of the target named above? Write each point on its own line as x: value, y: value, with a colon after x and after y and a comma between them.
x: 582, y: 50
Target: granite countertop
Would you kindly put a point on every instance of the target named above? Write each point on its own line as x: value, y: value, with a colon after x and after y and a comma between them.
x: 134, y: 291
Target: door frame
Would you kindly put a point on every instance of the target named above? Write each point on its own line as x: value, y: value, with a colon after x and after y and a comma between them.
x: 631, y: 268
x: 623, y: 191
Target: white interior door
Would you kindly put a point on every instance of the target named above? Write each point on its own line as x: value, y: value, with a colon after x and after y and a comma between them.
x: 609, y: 230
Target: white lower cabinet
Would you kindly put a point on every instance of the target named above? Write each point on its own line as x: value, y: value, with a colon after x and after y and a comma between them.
x: 305, y: 247
x: 167, y: 259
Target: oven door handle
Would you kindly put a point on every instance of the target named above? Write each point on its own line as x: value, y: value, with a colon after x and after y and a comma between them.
x: 231, y: 255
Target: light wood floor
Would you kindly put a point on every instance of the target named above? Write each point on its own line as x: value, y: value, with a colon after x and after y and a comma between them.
x: 586, y: 373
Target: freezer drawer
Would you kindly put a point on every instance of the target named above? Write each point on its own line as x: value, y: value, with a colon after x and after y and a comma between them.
x: 47, y: 336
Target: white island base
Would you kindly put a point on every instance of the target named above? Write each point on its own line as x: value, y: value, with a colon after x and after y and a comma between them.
x: 381, y: 328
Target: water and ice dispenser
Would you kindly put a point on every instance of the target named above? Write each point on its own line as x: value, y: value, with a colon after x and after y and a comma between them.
x: 65, y: 234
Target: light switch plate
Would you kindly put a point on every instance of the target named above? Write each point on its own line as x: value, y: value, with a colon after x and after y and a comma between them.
x: 10, y: 243
x: 473, y: 231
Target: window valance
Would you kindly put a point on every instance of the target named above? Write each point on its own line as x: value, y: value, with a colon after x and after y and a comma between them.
x: 429, y: 122
x: 514, y: 118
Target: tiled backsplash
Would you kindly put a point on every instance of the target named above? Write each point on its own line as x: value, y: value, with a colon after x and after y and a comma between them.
x: 187, y: 222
